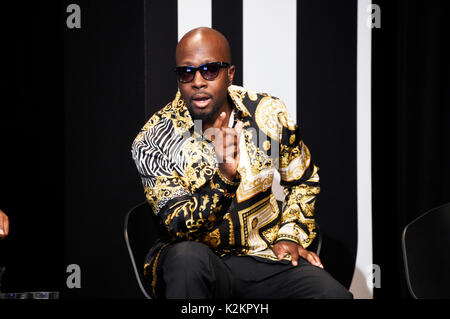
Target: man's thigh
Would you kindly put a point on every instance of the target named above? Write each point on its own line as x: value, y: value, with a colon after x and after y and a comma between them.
x: 256, y: 279
x: 191, y: 270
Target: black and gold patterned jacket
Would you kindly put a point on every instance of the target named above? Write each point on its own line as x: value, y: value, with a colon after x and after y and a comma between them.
x: 185, y: 188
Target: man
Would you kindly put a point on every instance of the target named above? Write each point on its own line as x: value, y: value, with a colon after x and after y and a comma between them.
x: 222, y: 232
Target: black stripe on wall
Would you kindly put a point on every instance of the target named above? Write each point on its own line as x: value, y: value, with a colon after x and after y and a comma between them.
x: 103, y: 112
x: 161, y: 38
x: 411, y: 135
x: 229, y: 22
x: 31, y: 147
x: 326, y: 102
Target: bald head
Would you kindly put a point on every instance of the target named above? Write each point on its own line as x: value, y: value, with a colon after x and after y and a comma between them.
x: 203, y: 41
x: 205, y: 98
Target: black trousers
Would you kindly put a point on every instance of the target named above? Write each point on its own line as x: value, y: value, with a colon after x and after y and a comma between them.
x: 191, y: 270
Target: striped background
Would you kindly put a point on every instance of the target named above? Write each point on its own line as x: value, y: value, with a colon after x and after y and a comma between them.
x: 315, y: 56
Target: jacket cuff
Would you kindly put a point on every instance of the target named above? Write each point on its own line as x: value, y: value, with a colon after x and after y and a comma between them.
x: 293, y: 233
x: 228, y: 187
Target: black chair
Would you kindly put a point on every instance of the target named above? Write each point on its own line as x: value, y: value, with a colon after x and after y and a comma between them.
x: 141, y: 232
x: 426, y: 254
x: 316, y: 245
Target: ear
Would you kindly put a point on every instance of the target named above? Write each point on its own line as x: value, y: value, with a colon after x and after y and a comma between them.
x: 230, y: 74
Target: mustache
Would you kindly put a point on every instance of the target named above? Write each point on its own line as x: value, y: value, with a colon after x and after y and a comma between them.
x: 200, y: 95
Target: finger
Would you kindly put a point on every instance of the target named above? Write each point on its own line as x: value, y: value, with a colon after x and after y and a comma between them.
x: 230, y: 131
x: 294, y: 257
x: 2, y: 231
x: 238, y: 128
x: 231, y: 145
x: 6, y: 225
x: 227, y: 146
x: 319, y: 263
x: 231, y: 139
x: 308, y: 255
x: 314, y: 259
x: 230, y: 136
x: 303, y: 252
x: 213, y: 134
x: 310, y: 259
x: 281, y: 256
x: 229, y: 155
x: 281, y: 253
x: 219, y: 120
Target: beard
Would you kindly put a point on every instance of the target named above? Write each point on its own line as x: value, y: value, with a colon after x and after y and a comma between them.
x: 203, y: 115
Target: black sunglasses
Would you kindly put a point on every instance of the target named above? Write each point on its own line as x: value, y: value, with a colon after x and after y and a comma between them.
x: 209, y: 71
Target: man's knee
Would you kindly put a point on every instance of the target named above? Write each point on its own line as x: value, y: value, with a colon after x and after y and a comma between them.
x: 319, y: 284
x: 336, y: 291
x: 330, y: 288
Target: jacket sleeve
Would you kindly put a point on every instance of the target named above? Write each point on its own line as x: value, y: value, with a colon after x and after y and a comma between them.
x: 300, y: 180
x: 190, y: 214
x: 190, y: 200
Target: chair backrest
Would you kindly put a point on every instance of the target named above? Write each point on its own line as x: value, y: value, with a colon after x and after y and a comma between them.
x: 426, y: 254
x: 141, y: 232
x: 316, y: 245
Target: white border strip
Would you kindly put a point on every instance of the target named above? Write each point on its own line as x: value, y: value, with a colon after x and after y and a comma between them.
x: 193, y: 14
x: 270, y: 49
x: 361, y: 286
x: 270, y: 55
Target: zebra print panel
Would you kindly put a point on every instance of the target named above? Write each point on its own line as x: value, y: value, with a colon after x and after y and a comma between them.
x: 153, y: 152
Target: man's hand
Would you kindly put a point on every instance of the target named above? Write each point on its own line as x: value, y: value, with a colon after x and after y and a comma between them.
x: 4, y: 225
x: 283, y: 248
x: 226, y: 145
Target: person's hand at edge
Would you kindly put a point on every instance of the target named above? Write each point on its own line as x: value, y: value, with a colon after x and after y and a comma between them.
x: 4, y: 225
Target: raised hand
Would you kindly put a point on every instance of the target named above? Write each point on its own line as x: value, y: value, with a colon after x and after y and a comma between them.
x: 226, y: 145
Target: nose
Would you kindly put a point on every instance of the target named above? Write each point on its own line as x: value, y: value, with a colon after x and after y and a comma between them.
x: 198, y: 82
